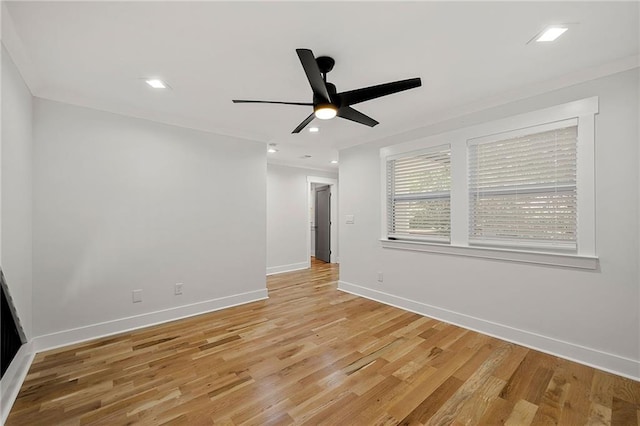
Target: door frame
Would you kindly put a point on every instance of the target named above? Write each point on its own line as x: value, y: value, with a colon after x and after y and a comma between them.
x: 333, y: 190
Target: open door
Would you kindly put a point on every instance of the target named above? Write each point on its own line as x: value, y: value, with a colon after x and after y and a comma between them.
x: 323, y: 224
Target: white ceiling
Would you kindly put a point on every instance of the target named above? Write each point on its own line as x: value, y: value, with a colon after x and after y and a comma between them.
x: 96, y: 53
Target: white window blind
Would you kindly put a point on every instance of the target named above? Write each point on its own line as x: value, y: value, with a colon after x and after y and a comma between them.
x: 523, y: 190
x: 419, y: 196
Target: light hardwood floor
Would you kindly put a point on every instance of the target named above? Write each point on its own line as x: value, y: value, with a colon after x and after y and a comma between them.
x: 314, y: 355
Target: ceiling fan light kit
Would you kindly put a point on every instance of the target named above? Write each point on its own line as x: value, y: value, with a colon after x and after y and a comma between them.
x: 325, y: 111
x: 327, y: 102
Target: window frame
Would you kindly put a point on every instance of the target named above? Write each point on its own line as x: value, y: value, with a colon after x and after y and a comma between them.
x: 583, y: 110
x: 524, y: 244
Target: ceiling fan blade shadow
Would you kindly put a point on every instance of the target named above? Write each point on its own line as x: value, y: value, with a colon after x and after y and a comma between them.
x: 314, y: 75
x: 353, y: 97
x: 355, y: 115
x: 243, y: 101
x: 304, y: 123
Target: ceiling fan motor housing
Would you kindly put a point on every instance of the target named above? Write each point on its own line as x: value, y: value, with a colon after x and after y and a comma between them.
x: 325, y: 63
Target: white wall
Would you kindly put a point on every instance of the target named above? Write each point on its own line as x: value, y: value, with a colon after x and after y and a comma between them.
x: 590, y: 316
x: 287, y: 216
x: 123, y: 204
x: 16, y: 228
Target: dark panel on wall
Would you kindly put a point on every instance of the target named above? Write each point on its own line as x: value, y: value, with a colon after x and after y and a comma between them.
x: 11, y: 340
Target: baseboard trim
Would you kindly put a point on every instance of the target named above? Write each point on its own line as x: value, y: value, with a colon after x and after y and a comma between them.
x: 612, y: 363
x: 13, y: 378
x: 271, y: 270
x: 107, y: 328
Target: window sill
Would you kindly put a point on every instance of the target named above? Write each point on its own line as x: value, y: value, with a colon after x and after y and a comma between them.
x: 540, y: 258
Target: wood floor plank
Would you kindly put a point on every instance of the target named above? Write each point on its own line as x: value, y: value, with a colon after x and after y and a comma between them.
x: 427, y: 408
x: 623, y: 413
x: 576, y: 406
x: 453, y: 406
x: 552, y: 403
x: 474, y: 407
x: 311, y: 354
x: 497, y: 412
x: 599, y: 415
x: 522, y: 415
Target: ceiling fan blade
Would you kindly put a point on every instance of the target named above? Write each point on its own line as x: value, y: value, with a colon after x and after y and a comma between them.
x: 313, y: 74
x: 242, y: 101
x: 302, y: 125
x: 354, y: 115
x: 353, y: 97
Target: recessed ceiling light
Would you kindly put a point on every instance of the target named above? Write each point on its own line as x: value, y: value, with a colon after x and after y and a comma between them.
x: 334, y: 161
x: 314, y: 129
x: 272, y: 148
x: 156, y: 84
x: 551, y: 33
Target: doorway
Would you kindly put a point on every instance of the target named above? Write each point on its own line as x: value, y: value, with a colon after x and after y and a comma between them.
x: 330, y: 187
x: 323, y: 223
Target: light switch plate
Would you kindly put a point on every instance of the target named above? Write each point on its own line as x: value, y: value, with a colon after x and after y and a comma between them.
x: 350, y: 219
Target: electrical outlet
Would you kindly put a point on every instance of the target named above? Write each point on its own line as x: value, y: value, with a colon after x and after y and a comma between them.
x: 137, y: 296
x: 380, y: 277
x: 178, y: 288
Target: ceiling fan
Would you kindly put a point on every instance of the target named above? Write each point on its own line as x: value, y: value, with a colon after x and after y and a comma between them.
x: 327, y: 103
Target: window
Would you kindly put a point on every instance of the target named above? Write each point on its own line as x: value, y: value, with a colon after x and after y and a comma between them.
x: 523, y: 190
x: 418, y: 187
